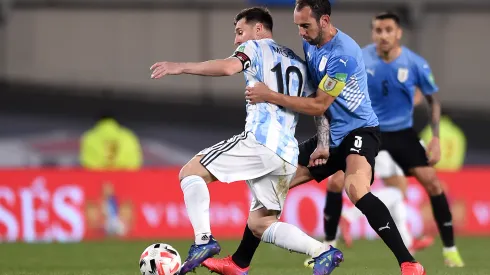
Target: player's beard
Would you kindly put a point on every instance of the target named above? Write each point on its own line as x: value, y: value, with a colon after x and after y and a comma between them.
x: 317, y: 40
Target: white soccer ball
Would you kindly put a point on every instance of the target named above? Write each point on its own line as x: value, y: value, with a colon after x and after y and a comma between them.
x: 160, y: 259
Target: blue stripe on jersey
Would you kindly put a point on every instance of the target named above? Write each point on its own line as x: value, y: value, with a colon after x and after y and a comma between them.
x: 274, y: 127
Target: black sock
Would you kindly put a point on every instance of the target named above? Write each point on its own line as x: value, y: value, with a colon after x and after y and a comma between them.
x: 332, y: 212
x: 246, y: 250
x: 444, y: 219
x: 381, y: 221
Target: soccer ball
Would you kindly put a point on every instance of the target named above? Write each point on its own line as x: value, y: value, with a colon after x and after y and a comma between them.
x: 160, y: 259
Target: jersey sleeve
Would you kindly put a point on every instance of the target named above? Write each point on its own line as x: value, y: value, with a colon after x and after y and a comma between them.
x: 247, y: 54
x: 425, y: 78
x: 338, y: 70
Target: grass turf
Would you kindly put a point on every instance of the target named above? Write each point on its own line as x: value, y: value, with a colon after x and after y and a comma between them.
x: 121, y: 258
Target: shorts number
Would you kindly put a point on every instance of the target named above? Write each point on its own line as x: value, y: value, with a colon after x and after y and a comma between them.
x: 358, y: 142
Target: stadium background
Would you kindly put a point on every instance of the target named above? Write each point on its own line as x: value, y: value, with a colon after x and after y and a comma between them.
x: 63, y: 62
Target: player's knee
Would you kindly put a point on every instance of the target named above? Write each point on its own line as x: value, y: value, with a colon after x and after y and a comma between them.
x: 302, y: 176
x: 259, y: 226
x: 357, y: 185
x: 336, y: 183
x: 428, y: 178
x: 185, y: 171
x: 195, y: 168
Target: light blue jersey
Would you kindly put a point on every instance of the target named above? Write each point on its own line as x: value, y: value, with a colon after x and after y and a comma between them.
x: 284, y: 72
x: 338, y: 69
x: 392, y: 86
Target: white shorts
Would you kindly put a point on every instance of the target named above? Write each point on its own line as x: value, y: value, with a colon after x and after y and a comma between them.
x: 385, y: 166
x: 242, y: 157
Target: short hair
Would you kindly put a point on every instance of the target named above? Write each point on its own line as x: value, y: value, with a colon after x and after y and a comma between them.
x: 256, y: 15
x: 318, y: 7
x: 388, y: 15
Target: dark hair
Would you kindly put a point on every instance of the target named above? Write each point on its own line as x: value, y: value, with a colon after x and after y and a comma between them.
x: 388, y: 15
x: 318, y: 7
x: 256, y: 15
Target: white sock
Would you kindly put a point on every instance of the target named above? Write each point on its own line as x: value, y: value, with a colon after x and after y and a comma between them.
x: 449, y: 249
x: 196, y: 197
x: 393, y: 199
x: 290, y: 237
x: 330, y: 243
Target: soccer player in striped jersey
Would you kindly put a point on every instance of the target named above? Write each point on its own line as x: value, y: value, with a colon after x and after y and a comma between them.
x: 265, y: 155
x: 350, y: 142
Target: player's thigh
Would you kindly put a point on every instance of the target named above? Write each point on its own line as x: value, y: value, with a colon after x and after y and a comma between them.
x: 362, y: 142
x: 406, y: 150
x: 269, y: 192
x: 318, y: 173
x: 242, y: 157
x: 360, y: 149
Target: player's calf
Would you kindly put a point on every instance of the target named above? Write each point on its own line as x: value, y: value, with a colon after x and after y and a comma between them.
x: 358, y: 180
x: 440, y: 206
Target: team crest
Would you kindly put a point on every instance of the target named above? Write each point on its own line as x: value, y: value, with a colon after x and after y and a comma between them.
x: 402, y: 74
x: 329, y: 84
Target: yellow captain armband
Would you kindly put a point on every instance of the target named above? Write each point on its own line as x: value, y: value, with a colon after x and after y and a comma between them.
x: 331, y: 86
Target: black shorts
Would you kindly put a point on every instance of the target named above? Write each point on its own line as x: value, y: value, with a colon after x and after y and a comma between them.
x: 405, y: 149
x: 361, y: 141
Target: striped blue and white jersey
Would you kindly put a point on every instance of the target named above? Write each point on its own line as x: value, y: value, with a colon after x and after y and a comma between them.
x: 284, y: 72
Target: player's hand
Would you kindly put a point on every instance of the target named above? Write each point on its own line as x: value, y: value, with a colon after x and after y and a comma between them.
x: 319, y: 157
x: 257, y: 93
x: 434, y: 151
x: 161, y: 69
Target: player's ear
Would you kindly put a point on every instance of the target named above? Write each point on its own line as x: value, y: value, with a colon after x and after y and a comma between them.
x: 399, y: 33
x: 324, y: 21
x: 258, y: 28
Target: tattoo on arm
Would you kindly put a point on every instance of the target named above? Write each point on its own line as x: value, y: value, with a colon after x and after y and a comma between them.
x: 323, y: 131
x: 435, y: 114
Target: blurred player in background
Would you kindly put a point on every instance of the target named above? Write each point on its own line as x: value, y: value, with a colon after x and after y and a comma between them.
x: 351, y: 143
x: 110, y: 146
x: 394, y: 75
x: 265, y: 155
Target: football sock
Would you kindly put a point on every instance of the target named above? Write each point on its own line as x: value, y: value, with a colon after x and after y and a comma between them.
x: 290, y: 237
x: 332, y: 212
x: 245, y: 251
x: 444, y: 219
x: 381, y: 221
x: 196, y: 197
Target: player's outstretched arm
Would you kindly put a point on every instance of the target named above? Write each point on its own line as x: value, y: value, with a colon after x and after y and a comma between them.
x: 218, y: 67
x: 314, y: 106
